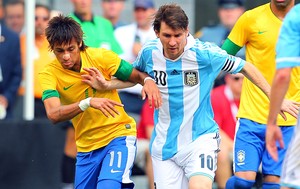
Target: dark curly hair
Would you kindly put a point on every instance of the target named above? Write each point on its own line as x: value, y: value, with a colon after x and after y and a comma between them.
x: 62, y: 30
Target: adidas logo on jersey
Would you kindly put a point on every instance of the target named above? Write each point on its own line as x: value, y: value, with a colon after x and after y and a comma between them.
x: 175, y: 72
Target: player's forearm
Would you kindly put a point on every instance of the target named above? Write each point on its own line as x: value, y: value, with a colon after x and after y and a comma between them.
x: 254, y: 75
x: 278, y: 91
x: 138, y: 77
x: 63, y: 112
x: 118, y: 84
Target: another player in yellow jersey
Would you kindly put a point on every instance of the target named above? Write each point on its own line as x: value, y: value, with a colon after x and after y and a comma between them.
x: 258, y: 30
x: 105, y: 135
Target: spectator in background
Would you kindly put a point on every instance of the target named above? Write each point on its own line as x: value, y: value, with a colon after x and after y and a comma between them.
x: 228, y: 12
x: 112, y: 10
x: 41, y: 55
x: 14, y: 15
x: 10, y: 68
x: 136, y: 34
x: 225, y: 101
x: 98, y: 31
x: 144, y: 132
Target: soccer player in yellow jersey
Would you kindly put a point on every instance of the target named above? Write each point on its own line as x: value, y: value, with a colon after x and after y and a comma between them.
x: 258, y: 30
x: 105, y: 135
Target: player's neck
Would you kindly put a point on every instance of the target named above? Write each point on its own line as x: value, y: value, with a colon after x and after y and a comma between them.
x: 87, y: 16
x: 281, y: 12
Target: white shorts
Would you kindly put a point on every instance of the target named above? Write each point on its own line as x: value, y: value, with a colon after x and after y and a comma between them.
x: 290, y: 175
x: 198, y: 158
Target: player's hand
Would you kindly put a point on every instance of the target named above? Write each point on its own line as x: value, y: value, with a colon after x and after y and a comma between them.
x: 273, y: 134
x: 95, y: 79
x: 106, y: 106
x: 290, y: 107
x: 151, y: 91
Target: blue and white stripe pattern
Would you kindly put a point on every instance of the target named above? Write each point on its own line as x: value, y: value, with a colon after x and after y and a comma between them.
x: 185, y: 85
x: 288, y: 46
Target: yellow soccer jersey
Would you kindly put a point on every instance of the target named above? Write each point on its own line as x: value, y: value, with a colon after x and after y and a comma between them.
x: 258, y: 30
x: 92, y: 129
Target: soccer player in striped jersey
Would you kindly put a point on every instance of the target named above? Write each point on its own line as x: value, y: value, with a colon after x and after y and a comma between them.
x: 105, y: 135
x: 185, y: 139
x: 258, y: 30
x: 287, y: 59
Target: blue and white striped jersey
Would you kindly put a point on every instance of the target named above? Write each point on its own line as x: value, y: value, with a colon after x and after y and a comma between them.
x: 288, y: 45
x: 185, y: 85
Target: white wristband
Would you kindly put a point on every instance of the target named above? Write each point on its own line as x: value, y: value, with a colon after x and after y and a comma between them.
x: 147, y: 78
x: 84, y: 104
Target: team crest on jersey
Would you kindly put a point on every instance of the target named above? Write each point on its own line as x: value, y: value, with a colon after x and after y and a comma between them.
x: 191, y: 78
x: 241, y: 156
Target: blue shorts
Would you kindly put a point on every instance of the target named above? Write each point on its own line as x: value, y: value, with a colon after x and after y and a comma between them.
x: 250, y: 148
x: 112, y: 162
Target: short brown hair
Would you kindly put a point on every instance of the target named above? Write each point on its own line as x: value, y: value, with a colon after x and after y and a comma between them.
x: 173, y: 15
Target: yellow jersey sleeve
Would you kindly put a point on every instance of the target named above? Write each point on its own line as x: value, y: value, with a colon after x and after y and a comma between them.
x: 48, y: 83
x: 239, y: 33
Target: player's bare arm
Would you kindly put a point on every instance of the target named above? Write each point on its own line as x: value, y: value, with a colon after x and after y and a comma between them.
x: 279, y: 89
x: 150, y: 89
x: 253, y: 74
x: 95, y: 79
x: 58, y: 113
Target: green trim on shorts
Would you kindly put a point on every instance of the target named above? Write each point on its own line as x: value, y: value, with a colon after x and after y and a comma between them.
x: 49, y: 93
x: 124, y: 71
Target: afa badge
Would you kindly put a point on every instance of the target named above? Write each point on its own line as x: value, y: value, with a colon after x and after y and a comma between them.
x: 191, y: 78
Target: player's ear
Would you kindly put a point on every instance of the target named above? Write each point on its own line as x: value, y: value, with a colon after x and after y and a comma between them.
x: 157, y: 33
x: 187, y: 32
x: 80, y: 44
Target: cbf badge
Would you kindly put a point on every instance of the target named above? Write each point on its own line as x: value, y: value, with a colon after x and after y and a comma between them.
x: 191, y: 78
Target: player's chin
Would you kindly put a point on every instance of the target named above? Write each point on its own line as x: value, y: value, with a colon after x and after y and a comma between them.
x: 67, y: 65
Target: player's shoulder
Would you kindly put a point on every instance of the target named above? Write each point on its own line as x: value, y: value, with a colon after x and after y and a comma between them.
x: 152, y: 44
x: 51, y: 67
x: 294, y: 13
x: 96, y: 53
x: 257, y: 11
x: 205, y: 45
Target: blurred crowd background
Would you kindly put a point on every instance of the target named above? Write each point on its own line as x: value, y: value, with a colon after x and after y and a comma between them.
x: 200, y: 12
